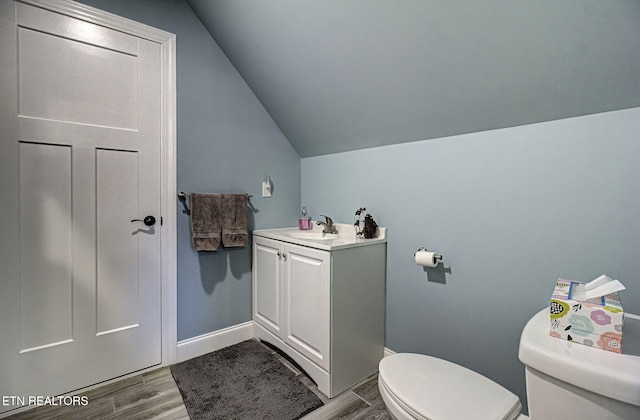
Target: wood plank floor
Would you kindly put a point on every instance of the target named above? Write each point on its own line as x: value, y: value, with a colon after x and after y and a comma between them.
x: 154, y: 395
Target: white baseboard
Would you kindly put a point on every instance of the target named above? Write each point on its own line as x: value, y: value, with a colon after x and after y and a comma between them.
x: 216, y: 340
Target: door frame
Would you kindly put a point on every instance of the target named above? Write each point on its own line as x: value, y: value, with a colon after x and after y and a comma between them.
x: 168, y: 240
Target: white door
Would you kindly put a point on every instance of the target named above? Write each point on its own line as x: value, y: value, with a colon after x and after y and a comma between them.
x: 80, y: 118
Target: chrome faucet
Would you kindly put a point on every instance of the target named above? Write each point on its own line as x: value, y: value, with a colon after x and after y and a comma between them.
x: 327, y: 227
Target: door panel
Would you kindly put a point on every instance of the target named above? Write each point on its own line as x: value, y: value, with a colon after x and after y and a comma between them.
x: 117, y: 197
x: 50, y: 63
x: 46, y: 283
x: 267, y: 273
x: 306, y: 302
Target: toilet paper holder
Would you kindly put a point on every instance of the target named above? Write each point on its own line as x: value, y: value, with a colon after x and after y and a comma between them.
x: 436, y: 257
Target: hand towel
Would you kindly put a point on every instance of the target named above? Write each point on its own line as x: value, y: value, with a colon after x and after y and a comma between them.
x: 205, y: 221
x: 234, y: 220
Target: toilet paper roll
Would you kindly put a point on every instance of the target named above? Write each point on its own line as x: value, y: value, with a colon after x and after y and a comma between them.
x: 426, y: 258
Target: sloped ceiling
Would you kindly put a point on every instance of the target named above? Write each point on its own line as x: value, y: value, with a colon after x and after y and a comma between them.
x: 340, y: 75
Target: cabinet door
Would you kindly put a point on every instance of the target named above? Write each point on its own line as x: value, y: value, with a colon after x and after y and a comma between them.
x: 306, y: 302
x: 267, y: 291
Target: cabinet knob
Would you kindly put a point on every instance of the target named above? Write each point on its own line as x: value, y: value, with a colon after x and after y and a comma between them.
x: 284, y: 255
x: 279, y: 254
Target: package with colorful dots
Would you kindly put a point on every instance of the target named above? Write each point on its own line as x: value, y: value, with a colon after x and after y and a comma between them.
x: 595, y: 321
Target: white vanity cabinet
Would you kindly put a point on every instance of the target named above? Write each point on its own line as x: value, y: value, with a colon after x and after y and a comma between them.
x: 325, y: 308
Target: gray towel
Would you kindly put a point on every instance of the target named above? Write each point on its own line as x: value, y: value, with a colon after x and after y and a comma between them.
x: 205, y: 221
x: 234, y: 220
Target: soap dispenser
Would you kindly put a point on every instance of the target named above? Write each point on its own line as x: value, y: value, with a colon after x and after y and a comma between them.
x: 304, y: 222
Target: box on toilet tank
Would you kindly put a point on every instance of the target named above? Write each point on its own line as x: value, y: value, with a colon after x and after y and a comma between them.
x: 596, y: 323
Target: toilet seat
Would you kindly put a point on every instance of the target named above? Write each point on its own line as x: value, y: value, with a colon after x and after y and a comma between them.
x: 426, y: 387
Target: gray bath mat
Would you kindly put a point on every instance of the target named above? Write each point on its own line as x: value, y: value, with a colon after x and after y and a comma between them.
x: 244, y: 381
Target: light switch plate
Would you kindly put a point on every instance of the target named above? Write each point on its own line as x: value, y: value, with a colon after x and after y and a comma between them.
x: 266, y: 189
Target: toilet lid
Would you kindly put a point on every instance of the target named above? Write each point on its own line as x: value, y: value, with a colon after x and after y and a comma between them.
x: 437, y: 389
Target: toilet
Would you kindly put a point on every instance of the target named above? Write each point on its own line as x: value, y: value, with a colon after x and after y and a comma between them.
x: 415, y: 386
x: 572, y: 381
x: 564, y: 380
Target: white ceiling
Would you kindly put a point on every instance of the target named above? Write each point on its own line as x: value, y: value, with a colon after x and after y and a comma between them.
x: 338, y: 75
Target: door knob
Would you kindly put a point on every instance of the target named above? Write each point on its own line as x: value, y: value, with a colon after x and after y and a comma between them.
x: 149, y: 220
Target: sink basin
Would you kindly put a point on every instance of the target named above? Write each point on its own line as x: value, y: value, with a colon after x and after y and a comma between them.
x: 314, y: 236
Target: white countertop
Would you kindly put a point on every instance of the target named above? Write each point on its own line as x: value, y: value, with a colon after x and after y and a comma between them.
x: 346, y: 237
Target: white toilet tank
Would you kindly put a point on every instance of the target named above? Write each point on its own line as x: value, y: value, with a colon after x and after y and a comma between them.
x: 572, y: 381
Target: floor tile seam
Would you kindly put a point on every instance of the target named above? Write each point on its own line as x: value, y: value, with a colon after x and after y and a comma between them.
x: 365, y: 401
x: 149, y: 396
x: 146, y: 410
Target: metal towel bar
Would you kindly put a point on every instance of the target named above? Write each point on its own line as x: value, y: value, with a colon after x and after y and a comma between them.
x: 183, y: 199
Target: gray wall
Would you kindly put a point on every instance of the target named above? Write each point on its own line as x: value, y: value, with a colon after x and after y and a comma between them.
x: 511, y: 210
x: 344, y: 75
x: 227, y: 142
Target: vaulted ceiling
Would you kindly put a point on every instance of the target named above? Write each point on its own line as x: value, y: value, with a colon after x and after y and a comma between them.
x: 338, y: 75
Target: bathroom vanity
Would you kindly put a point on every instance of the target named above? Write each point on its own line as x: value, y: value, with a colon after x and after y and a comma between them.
x: 320, y: 298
